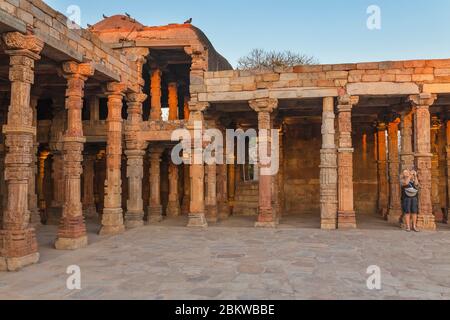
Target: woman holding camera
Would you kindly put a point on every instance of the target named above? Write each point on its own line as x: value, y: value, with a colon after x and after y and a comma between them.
x: 410, y: 199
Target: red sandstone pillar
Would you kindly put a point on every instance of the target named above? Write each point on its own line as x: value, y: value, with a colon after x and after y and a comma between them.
x: 346, y: 211
x: 18, y: 239
x: 395, y: 209
x: 173, y: 207
x: 89, y: 209
x: 266, y: 216
x: 33, y: 205
x: 435, y: 173
x: 155, y: 92
x: 112, y: 219
x: 186, y: 108
x: 422, y: 129
x: 173, y: 100
x: 186, y: 188
x: 211, y: 193
x: 72, y: 229
x: 155, y: 207
x: 383, y: 188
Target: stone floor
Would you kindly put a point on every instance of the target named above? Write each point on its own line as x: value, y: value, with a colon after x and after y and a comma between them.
x: 235, y: 261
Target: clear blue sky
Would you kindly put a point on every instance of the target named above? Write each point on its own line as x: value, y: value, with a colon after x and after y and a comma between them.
x: 334, y: 31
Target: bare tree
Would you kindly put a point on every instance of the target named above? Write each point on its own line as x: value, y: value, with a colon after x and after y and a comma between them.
x: 259, y: 59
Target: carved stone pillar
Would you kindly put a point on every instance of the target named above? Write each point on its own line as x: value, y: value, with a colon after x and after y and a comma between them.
x: 423, y: 155
x: 112, y: 219
x: 211, y: 193
x: 395, y: 209
x: 231, y: 183
x: 435, y: 173
x: 33, y: 205
x: 155, y: 91
x: 222, y: 192
x: 18, y: 245
x: 447, y: 132
x: 383, y: 186
x: 41, y: 178
x: 134, y: 216
x: 173, y: 100
x: 346, y: 211
x: 328, y: 168
x: 72, y: 229
x: 406, y: 130
x: 155, y: 207
x: 197, y: 171
x: 266, y: 216
x: 281, y: 175
x: 186, y: 190
x: 89, y: 208
x: 173, y: 207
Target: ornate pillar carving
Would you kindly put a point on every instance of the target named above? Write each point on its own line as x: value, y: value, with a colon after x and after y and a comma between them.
x: 395, y: 209
x: 72, y: 229
x: 33, y: 205
x: 266, y: 215
x: 173, y: 100
x: 423, y: 155
x: 18, y: 245
x: 173, y: 207
x: 406, y: 130
x: 435, y: 173
x: 43, y: 156
x: 112, y: 219
x: 346, y: 211
x: 328, y: 168
x: 155, y: 91
x: 89, y: 208
x: 155, y: 207
x: 135, y: 152
x: 383, y: 187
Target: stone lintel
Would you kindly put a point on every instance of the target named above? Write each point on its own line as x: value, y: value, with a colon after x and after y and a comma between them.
x: 382, y: 88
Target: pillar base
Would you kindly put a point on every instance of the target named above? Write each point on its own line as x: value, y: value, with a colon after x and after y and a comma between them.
x: 211, y: 214
x: 224, y: 211
x: 268, y: 225
x: 426, y: 222
x: 328, y: 224
x: 112, y: 222
x: 173, y: 210
x: 447, y: 218
x: 154, y: 214
x: 266, y: 220
x: 197, y: 220
x: 35, y: 218
x: 15, y: 264
x: 394, y: 216
x: 347, y: 220
x: 134, y: 219
x: 71, y: 243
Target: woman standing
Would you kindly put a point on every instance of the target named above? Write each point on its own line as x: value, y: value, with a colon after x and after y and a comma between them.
x: 410, y: 199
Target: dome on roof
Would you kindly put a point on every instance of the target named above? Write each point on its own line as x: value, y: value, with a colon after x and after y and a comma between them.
x: 117, y: 22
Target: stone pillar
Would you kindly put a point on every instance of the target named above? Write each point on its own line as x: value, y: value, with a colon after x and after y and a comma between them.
x: 18, y: 245
x: 222, y: 192
x: 395, y: 209
x: 406, y: 131
x: 155, y: 207
x: 197, y: 216
x: 41, y: 178
x: 266, y: 216
x: 173, y: 101
x: 328, y: 168
x: 173, y: 207
x: 346, y: 211
x: 435, y: 173
x: 72, y: 229
x: 383, y: 187
x: 447, y: 148
x: 186, y: 189
x: 211, y: 193
x: 281, y: 175
x: 423, y: 155
x: 155, y: 91
x: 89, y: 208
x: 112, y: 219
x: 33, y: 202
x: 135, y: 152
x: 231, y: 183
x: 186, y: 108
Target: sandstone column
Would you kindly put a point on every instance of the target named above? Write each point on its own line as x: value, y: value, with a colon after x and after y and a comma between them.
x: 266, y: 217
x: 346, y: 212
x: 211, y: 193
x: 222, y: 192
x: 18, y: 239
x: 72, y: 229
x: 395, y: 208
x: 173, y: 100
x: 328, y: 168
x: 422, y: 129
x: 155, y: 207
x: 435, y: 173
x: 43, y: 155
x: 447, y: 132
x: 33, y: 202
x: 231, y: 182
x: 383, y: 187
x: 186, y: 108
x: 173, y: 207
x: 112, y: 219
x: 135, y: 152
x: 89, y: 208
x: 186, y: 192
x: 407, y: 152
x: 155, y: 90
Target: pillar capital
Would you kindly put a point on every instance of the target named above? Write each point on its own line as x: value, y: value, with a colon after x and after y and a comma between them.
x: 115, y: 89
x: 436, y: 123
x: 346, y: 102
x: 263, y: 104
x: 381, y: 126
x: 72, y: 69
x: 16, y: 41
x: 138, y: 98
x: 422, y: 100
x: 198, y: 106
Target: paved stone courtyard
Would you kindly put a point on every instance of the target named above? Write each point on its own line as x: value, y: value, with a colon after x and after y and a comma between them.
x: 170, y: 261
